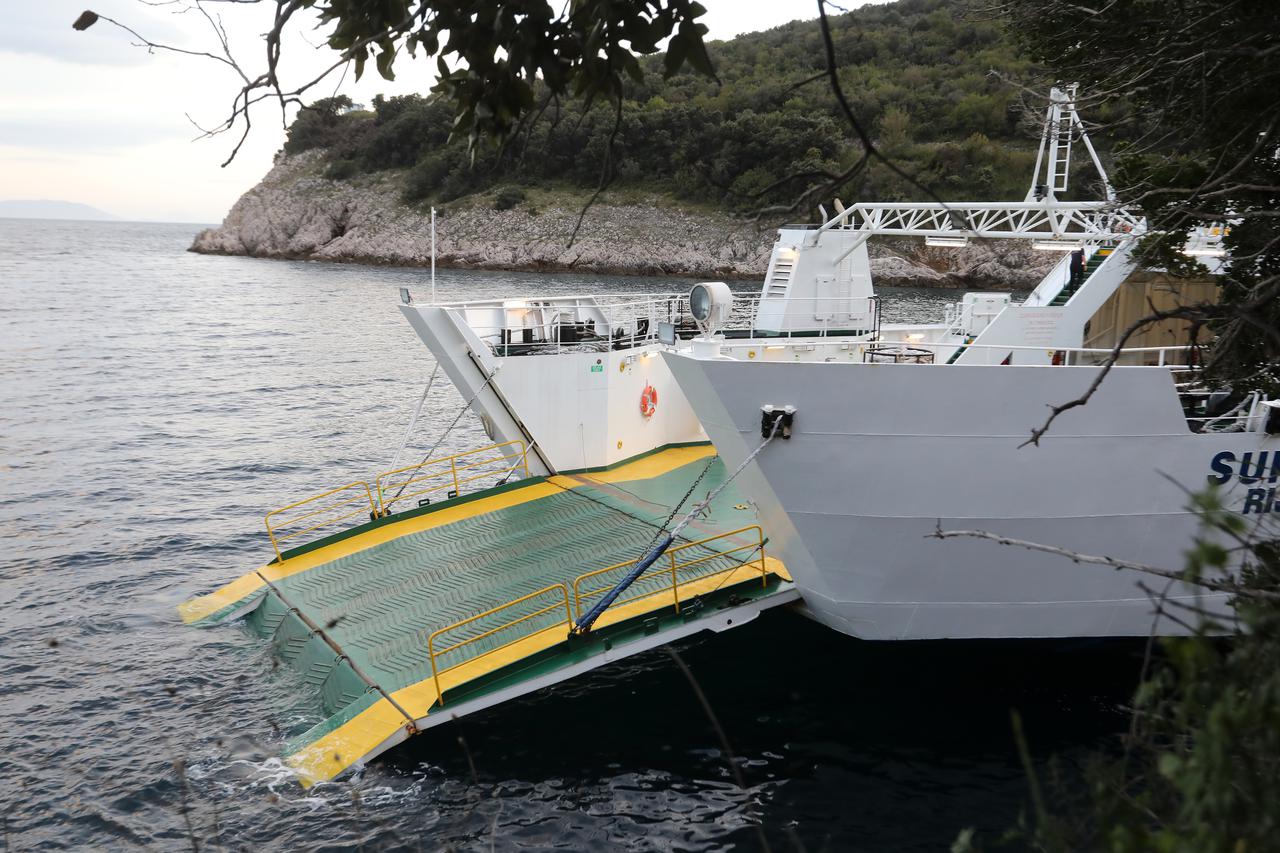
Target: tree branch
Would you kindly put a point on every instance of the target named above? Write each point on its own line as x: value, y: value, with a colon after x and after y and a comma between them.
x: 1228, y: 586
x: 1108, y: 364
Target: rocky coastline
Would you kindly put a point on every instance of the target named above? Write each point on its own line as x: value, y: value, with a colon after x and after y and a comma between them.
x: 296, y: 212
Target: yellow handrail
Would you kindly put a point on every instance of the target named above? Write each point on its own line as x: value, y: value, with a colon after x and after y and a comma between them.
x: 674, y: 569
x: 520, y: 456
x: 273, y: 528
x: 324, y: 514
x: 431, y: 650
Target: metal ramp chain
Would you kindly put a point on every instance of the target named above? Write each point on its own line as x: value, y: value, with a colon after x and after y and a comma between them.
x: 642, y: 565
x: 410, y: 725
x: 413, y: 421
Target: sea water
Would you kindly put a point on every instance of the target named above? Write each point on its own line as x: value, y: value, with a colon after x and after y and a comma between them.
x: 155, y: 403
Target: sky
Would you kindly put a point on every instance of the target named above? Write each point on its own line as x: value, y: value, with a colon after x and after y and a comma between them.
x: 89, y: 117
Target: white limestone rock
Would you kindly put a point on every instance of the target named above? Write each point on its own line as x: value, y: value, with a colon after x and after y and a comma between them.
x: 296, y: 212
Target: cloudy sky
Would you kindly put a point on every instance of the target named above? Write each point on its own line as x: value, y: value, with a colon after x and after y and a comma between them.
x: 89, y: 117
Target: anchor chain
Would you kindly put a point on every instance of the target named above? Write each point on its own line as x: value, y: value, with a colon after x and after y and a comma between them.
x: 664, y: 539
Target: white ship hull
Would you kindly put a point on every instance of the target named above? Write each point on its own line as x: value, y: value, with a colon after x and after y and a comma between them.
x: 882, y: 455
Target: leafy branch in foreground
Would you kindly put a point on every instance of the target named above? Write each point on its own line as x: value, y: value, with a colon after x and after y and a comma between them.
x: 1202, y: 148
x: 489, y: 53
x: 1200, y: 765
x: 1199, y: 769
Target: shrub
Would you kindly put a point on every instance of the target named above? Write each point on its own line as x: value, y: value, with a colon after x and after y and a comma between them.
x: 318, y: 125
x: 507, y: 198
x: 427, y: 178
x: 341, y: 170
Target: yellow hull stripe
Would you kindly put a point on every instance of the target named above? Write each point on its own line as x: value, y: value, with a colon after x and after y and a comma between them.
x: 360, y: 737
x: 647, y: 467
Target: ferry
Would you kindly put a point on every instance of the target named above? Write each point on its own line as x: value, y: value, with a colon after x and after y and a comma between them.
x: 662, y: 465
x: 888, y: 448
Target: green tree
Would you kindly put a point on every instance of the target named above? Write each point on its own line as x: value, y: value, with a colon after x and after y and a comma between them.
x: 1200, y: 85
x: 760, y: 135
x: 318, y: 126
x: 895, y: 131
x: 1200, y: 770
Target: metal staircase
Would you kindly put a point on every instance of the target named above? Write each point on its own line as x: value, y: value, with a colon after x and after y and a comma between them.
x: 968, y: 339
x: 1091, y: 266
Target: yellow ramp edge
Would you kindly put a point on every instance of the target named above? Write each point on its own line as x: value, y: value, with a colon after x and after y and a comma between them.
x: 375, y: 729
x: 327, y: 757
x: 207, y: 605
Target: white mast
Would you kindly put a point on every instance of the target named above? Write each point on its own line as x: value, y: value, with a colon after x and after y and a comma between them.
x: 433, y: 254
x: 1061, y: 125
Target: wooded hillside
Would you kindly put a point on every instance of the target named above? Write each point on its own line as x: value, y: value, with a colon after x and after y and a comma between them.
x: 919, y: 73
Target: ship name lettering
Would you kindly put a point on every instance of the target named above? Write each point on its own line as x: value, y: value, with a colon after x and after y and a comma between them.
x: 1260, y: 501
x: 1250, y: 468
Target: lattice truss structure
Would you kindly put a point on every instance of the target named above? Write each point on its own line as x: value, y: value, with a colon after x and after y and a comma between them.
x: 1040, y: 216
x: 1046, y: 220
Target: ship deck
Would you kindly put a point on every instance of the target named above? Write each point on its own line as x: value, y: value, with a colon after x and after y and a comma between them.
x: 406, y: 621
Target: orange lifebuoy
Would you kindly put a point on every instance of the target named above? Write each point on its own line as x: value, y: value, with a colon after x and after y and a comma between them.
x: 648, y: 401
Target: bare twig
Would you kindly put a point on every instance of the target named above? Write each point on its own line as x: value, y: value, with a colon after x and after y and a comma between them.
x: 1147, y: 650
x: 719, y: 729
x: 607, y: 171
x: 1110, y: 362
x: 1228, y: 586
x: 869, y: 147
x: 1033, y: 780
x: 184, y: 807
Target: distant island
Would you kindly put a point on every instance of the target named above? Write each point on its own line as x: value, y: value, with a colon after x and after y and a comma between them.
x: 49, y: 209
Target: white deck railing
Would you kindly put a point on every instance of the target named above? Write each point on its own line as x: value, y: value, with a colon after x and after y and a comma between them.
x: 554, y: 324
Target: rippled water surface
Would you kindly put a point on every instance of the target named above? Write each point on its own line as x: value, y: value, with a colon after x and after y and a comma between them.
x: 156, y: 402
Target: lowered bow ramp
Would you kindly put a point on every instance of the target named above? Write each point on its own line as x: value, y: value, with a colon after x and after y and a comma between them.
x: 409, y: 621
